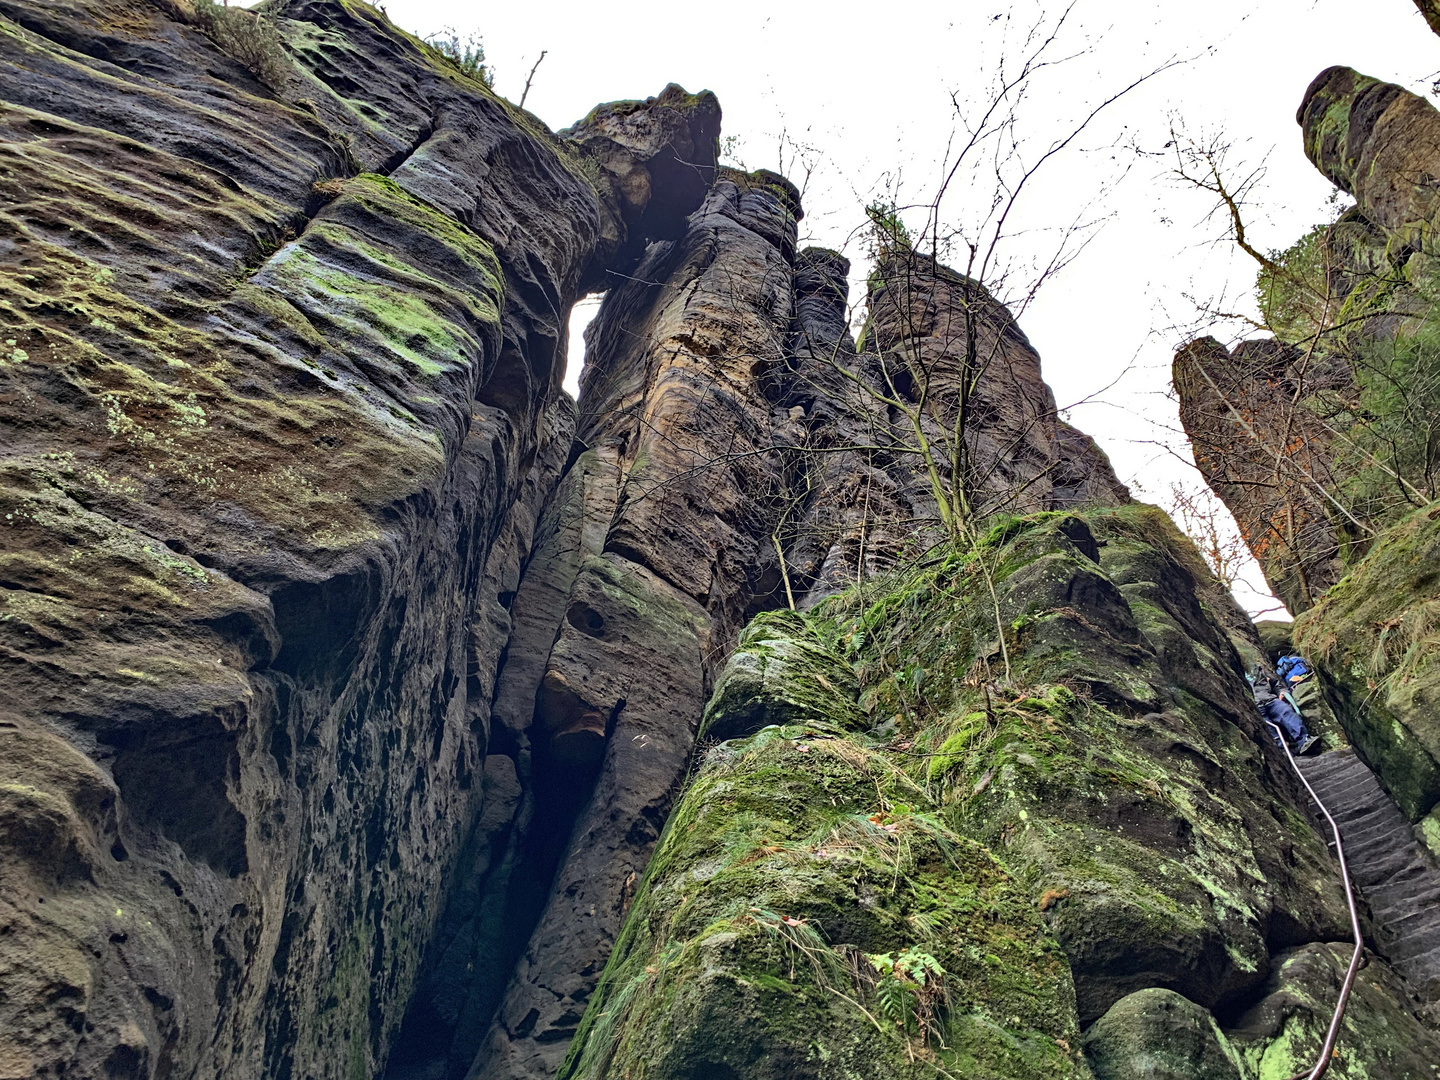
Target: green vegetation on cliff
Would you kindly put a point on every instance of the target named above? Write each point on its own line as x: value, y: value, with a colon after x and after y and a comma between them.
x: 903, y: 862
x: 1377, y: 634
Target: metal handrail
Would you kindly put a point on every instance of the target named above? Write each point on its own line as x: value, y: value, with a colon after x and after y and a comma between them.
x: 1326, y: 1051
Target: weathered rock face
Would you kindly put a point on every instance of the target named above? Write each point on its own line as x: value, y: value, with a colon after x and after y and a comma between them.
x: 709, y: 493
x: 1282, y: 1033
x: 280, y: 415
x: 1318, y: 441
x: 1378, y: 142
x: 676, y: 425
x: 1266, y: 459
x: 1159, y: 1035
x: 865, y: 427
x: 951, y: 350
x: 354, y: 672
x: 1325, y: 450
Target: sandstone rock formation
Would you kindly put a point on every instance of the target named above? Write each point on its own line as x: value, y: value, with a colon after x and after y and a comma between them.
x: 281, y: 411
x: 1274, y: 423
x: 354, y: 670
x: 1112, y: 830
x: 1268, y: 460
x: 1324, y: 446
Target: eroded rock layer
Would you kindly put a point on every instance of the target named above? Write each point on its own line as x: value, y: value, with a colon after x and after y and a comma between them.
x: 280, y: 412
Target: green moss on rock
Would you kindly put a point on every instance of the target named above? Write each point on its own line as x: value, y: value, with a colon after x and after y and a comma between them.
x: 1061, y: 796
x: 1380, y: 1039
x: 1160, y: 1035
x: 1377, y: 635
x: 791, y: 860
x: 782, y: 672
x: 1119, y: 770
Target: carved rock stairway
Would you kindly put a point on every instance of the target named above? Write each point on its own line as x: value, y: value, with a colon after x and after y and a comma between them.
x: 1394, y: 873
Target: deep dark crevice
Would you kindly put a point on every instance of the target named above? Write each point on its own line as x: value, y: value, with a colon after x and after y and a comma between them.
x: 487, y: 925
x: 174, y: 779
x: 319, y: 197
x: 1228, y: 1010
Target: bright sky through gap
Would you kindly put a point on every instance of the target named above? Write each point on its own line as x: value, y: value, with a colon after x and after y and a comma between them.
x: 865, y: 105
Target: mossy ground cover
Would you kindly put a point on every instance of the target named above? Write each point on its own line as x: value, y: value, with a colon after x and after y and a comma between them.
x: 795, y: 858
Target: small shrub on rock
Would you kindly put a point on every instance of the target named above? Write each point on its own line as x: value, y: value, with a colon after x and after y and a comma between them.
x: 246, y: 37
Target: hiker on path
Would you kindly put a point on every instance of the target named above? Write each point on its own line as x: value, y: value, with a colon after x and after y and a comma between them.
x: 1299, y: 680
x: 1269, y: 690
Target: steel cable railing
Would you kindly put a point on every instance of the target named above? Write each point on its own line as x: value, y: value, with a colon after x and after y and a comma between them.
x: 1327, y: 1051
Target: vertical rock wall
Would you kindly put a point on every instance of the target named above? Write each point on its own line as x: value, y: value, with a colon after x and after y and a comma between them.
x: 1325, y: 449
x: 1269, y: 419
x: 675, y: 427
x: 280, y: 414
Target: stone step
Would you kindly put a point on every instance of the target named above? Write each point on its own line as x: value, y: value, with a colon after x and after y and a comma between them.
x: 1326, y: 765
x: 1329, y: 759
x: 1398, y: 881
x: 1415, y: 923
x: 1350, y: 794
x: 1378, y: 870
x: 1372, y: 835
x: 1406, y: 948
x: 1354, y: 814
x: 1414, y: 896
x: 1425, y: 966
x: 1417, y: 873
x: 1347, y: 800
x: 1354, y: 794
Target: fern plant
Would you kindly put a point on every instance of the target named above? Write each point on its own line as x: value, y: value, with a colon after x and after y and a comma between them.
x: 910, y: 990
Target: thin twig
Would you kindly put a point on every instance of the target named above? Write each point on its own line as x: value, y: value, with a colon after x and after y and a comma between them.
x: 526, y: 92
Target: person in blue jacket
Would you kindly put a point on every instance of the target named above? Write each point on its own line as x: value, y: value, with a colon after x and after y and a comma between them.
x: 1292, y: 670
x: 1269, y: 691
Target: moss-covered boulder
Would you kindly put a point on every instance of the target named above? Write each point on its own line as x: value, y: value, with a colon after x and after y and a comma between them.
x: 1159, y: 1035
x: 782, y: 672
x: 1106, y: 746
x: 807, y: 913
x: 1379, y: 1037
x: 1376, y: 634
x: 1050, y: 792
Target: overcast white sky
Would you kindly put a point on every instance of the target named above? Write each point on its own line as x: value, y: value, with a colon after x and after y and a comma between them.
x: 870, y: 87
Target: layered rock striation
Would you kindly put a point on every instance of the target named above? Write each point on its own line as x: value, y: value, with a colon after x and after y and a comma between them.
x: 281, y: 414
x: 1323, y: 436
